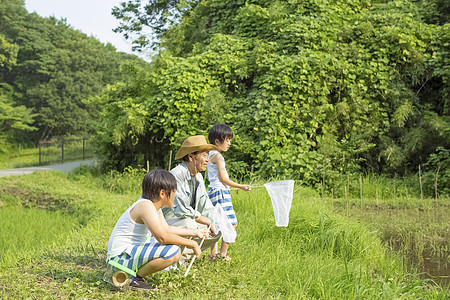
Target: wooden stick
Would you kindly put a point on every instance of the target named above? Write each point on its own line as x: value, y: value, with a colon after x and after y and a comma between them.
x: 420, y: 181
x: 376, y: 193
x: 170, y: 160
x: 322, y: 187
x: 348, y: 183
x: 360, y: 189
x: 193, y: 258
x: 395, y: 177
x: 346, y: 199
x: 435, y: 183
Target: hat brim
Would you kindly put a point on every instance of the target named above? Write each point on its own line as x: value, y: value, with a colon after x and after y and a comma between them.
x: 183, y: 151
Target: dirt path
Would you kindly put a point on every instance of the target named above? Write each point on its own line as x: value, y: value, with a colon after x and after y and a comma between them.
x: 66, y: 167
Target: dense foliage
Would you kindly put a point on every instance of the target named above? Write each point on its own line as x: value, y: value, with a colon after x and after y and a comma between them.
x: 311, y: 88
x: 12, y: 118
x: 47, y: 69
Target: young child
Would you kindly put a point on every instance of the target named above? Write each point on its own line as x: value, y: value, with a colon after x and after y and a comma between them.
x: 142, y: 240
x: 220, y: 135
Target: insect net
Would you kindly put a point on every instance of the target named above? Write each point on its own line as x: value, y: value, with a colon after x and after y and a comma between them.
x: 281, y: 193
x: 222, y: 224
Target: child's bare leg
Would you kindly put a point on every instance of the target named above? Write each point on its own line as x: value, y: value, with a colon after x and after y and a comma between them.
x: 157, y: 264
x: 224, y: 246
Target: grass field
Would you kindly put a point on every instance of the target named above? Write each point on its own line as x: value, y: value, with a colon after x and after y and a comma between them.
x: 19, y: 158
x: 323, y: 254
x: 28, y: 157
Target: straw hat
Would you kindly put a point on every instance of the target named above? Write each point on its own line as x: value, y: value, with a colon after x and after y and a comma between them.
x: 193, y: 144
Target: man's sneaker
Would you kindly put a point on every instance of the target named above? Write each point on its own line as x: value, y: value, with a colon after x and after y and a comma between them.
x: 141, y: 285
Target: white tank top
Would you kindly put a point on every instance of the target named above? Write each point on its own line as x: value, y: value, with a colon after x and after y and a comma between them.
x: 127, y: 233
x: 213, y: 174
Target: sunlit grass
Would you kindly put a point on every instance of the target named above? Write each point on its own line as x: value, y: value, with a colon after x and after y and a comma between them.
x: 28, y: 157
x: 27, y: 232
x: 19, y: 158
x: 321, y: 255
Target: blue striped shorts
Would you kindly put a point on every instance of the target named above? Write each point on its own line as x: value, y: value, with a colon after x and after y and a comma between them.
x: 149, y: 251
x: 223, y: 197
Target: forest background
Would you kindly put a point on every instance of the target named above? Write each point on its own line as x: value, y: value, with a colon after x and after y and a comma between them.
x: 312, y: 89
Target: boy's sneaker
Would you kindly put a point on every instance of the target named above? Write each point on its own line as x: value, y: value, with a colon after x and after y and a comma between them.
x: 141, y: 285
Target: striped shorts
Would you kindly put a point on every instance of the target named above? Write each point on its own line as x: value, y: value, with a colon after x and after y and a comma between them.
x: 149, y: 251
x: 224, y: 198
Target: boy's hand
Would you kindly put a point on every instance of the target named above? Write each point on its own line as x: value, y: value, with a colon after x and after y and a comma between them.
x: 245, y: 187
x: 197, y: 251
x: 211, y: 231
x: 202, y: 234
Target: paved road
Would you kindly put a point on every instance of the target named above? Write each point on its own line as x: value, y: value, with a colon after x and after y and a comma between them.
x: 66, y: 167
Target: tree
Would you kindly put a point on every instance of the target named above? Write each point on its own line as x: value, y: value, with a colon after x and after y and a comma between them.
x: 8, y: 54
x: 57, y: 69
x: 311, y: 87
x: 155, y: 16
x: 13, y: 119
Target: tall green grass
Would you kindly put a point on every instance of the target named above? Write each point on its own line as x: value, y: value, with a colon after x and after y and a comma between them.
x: 18, y: 158
x: 419, y: 229
x: 387, y: 188
x: 73, y: 150
x: 28, y: 232
x: 320, y: 255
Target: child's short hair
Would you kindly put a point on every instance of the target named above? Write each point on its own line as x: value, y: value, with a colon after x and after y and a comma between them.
x: 219, y: 132
x: 157, y: 180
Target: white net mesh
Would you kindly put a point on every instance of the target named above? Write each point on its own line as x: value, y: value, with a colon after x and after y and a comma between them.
x: 281, y: 193
x: 222, y: 224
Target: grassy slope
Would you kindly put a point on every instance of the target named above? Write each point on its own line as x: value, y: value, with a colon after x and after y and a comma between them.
x: 320, y: 255
x: 19, y: 158
x: 28, y: 157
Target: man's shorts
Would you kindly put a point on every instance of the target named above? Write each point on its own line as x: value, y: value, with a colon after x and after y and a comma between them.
x: 149, y: 251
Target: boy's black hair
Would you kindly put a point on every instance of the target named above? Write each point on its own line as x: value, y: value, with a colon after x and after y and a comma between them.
x: 219, y: 132
x: 157, y: 180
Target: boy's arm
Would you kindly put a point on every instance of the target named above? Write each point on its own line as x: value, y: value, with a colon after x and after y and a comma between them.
x: 146, y: 212
x: 220, y: 163
x: 182, y: 231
